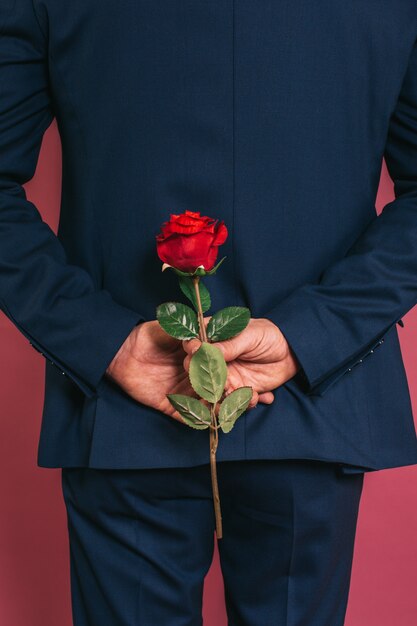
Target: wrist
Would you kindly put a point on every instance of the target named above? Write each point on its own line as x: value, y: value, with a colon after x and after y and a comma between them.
x: 120, y: 357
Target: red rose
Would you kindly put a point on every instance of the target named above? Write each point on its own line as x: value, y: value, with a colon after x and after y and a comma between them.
x: 189, y: 240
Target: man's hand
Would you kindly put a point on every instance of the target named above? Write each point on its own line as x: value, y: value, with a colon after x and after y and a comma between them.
x: 150, y: 364
x: 259, y: 356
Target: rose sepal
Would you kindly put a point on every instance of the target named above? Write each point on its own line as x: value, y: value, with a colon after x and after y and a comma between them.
x: 175, y: 269
x: 199, y: 271
x: 216, y: 267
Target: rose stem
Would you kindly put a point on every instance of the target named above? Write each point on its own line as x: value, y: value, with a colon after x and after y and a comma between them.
x: 216, y: 496
x: 214, y: 437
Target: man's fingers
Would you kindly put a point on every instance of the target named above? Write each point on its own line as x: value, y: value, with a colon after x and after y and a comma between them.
x: 191, y: 345
x: 254, y: 400
x: 267, y: 397
x: 186, y: 362
x: 231, y: 348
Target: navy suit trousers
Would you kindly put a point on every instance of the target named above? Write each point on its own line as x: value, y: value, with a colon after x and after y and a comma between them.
x: 142, y: 541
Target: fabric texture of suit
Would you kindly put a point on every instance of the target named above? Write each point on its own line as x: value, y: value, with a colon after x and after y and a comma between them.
x: 274, y: 116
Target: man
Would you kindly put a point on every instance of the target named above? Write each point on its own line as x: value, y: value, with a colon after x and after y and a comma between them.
x: 275, y: 117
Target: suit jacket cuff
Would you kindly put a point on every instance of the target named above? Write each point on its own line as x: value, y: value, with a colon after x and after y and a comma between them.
x: 82, y: 342
x: 324, y: 353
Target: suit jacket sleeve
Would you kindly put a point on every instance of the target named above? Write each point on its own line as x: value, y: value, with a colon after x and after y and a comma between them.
x: 56, y: 305
x: 334, y: 323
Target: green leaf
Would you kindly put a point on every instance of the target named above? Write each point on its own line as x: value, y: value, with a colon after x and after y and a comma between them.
x: 208, y: 372
x: 233, y: 406
x: 187, y: 287
x: 194, y: 413
x: 228, y: 322
x: 178, y: 320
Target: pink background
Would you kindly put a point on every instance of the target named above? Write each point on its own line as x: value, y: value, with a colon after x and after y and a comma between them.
x: 34, y: 561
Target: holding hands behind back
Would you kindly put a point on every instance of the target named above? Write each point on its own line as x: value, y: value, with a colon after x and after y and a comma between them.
x: 259, y: 357
x: 150, y: 363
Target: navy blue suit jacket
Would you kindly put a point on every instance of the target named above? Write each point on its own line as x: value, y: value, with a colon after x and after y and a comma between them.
x: 274, y: 116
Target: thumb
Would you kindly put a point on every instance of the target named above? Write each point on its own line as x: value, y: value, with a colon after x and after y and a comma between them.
x: 191, y: 345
